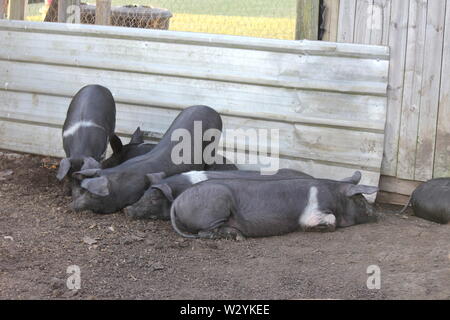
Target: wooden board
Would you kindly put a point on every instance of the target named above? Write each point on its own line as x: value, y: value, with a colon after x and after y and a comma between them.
x: 327, y: 100
x: 412, y: 92
x: 307, y: 24
x: 331, y: 20
x: 442, y: 157
x: 429, y: 106
x: 346, y: 25
x: 381, y: 18
x: 398, y: 33
x: 363, y: 21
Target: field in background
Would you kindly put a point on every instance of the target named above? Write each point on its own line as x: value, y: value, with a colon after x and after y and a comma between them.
x: 255, y: 18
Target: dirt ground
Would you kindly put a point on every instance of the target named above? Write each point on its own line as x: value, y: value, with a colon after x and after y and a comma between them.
x: 40, y: 237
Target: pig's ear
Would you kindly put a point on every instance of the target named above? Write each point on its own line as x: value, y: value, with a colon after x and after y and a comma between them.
x: 155, y: 178
x: 116, y: 144
x: 89, y: 173
x: 64, y: 167
x: 355, y: 179
x: 137, y: 137
x: 90, y: 163
x: 165, y: 189
x: 352, y: 190
x: 97, y: 186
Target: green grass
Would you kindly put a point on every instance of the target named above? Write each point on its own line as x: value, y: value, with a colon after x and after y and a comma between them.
x: 246, y: 8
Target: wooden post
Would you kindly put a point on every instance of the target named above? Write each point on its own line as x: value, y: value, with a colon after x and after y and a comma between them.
x: 67, y: 13
x: 331, y: 20
x: 17, y: 9
x: 3, y: 8
x: 307, y: 26
x: 103, y: 12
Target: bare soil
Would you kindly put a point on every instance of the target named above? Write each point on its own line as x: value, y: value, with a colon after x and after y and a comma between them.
x: 40, y: 237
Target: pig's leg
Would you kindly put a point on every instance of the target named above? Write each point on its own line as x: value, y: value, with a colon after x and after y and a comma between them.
x: 230, y: 233
x: 315, y: 219
x: 318, y: 222
x: 202, y: 210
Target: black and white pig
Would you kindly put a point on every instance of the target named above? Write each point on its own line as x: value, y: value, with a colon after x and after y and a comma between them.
x: 431, y: 201
x: 253, y: 208
x: 89, y: 126
x: 112, y: 189
x: 156, y: 201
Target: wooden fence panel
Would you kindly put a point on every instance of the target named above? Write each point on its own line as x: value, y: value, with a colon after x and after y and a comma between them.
x: 346, y: 25
x: 381, y: 17
x: 413, y: 75
x: 103, y: 12
x: 320, y: 96
x: 331, y: 20
x: 429, y: 105
x: 363, y: 21
x: 307, y: 26
x: 17, y: 9
x: 397, y: 42
x: 3, y: 9
x: 442, y: 159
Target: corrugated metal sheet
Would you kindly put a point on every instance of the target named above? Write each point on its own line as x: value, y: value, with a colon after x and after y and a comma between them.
x: 327, y: 99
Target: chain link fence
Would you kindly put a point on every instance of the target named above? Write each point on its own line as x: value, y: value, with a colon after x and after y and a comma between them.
x: 255, y: 18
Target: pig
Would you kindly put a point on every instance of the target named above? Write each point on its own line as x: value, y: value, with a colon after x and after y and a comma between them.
x: 240, y: 208
x: 431, y: 201
x: 89, y: 126
x: 156, y: 201
x: 137, y: 147
x: 110, y: 190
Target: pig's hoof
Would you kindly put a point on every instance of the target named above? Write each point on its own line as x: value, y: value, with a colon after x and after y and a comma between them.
x: 231, y: 234
x: 321, y: 228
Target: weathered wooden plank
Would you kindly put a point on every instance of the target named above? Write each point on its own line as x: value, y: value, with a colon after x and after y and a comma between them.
x: 299, y: 141
x: 381, y: 14
x: 3, y: 9
x: 429, y: 107
x: 398, y: 43
x: 235, y: 65
x: 442, y: 158
x: 392, y: 198
x: 412, y: 93
x: 307, y: 25
x: 399, y: 186
x: 346, y: 25
x: 17, y: 9
x: 331, y: 20
x: 331, y: 144
x: 387, y: 11
x: 304, y: 47
x: 363, y: 21
x: 103, y: 12
x: 244, y: 100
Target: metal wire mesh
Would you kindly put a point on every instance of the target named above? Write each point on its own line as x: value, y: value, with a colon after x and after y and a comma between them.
x: 257, y: 18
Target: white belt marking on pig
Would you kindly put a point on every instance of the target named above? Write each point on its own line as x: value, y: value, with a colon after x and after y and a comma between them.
x: 196, y: 176
x: 82, y: 124
x: 312, y: 216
